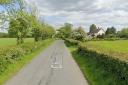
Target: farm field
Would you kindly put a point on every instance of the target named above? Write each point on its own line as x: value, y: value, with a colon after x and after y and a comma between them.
x: 12, y: 41
x: 117, y: 49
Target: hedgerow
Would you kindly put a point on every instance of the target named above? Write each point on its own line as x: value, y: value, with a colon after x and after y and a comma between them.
x: 117, y: 68
x: 72, y: 42
x: 10, y: 55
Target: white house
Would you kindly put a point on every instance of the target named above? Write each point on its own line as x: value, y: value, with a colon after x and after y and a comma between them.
x: 96, y: 32
x: 100, y: 31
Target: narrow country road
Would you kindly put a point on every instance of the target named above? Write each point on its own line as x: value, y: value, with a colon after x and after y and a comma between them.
x: 54, y: 66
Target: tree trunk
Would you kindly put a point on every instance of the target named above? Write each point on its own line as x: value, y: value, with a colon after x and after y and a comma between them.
x: 18, y: 40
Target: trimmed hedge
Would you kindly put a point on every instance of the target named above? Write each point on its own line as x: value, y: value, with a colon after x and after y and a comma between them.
x: 107, y: 39
x: 118, y: 69
x: 10, y: 55
x: 110, y: 66
x: 71, y: 42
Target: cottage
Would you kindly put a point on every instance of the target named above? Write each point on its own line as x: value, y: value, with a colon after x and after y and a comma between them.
x: 96, y: 32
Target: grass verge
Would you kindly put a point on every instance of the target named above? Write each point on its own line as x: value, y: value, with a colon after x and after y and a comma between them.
x: 14, y: 68
x: 92, y: 72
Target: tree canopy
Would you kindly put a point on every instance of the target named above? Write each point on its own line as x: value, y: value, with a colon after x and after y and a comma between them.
x: 78, y: 34
x: 123, y: 33
x: 65, y: 31
x: 24, y: 23
x: 2, y: 2
x: 111, y: 30
x: 92, y: 28
x: 18, y: 28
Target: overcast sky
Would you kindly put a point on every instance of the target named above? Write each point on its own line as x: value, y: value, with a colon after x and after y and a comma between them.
x: 103, y: 13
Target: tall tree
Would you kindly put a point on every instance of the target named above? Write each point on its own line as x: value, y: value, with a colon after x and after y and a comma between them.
x: 111, y: 30
x: 65, y: 31
x: 79, y: 34
x: 47, y: 31
x: 19, y: 29
x: 123, y: 33
x: 18, y: 20
x: 92, y: 28
x: 35, y: 26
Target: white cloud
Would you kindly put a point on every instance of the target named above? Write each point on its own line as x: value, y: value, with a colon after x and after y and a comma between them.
x: 84, y: 12
x: 104, y: 3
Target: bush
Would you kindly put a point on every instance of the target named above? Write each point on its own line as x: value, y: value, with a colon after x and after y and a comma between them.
x: 116, y: 68
x: 110, y: 36
x: 101, y: 36
x: 78, y: 34
x: 107, y: 39
x: 10, y: 55
x: 71, y: 42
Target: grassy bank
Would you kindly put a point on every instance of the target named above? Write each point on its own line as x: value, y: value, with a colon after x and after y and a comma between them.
x: 93, y: 72
x: 12, y: 68
x: 99, y: 68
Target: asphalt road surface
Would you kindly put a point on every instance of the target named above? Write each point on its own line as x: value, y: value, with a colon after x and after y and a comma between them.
x: 54, y: 66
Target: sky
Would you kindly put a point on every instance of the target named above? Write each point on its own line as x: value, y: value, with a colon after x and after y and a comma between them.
x: 103, y: 13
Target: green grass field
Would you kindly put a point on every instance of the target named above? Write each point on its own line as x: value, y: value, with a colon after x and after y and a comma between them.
x: 117, y: 49
x: 118, y: 46
x: 12, y: 41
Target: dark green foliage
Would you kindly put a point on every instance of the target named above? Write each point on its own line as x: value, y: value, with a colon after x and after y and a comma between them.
x: 36, y: 34
x: 3, y: 35
x: 101, y: 36
x: 111, y: 30
x: 94, y: 74
x: 92, y: 28
x: 123, y: 33
x: 64, y: 31
x: 71, y: 42
x: 111, y: 33
x: 106, y: 39
x: 111, y: 36
x: 110, y: 66
x: 47, y: 32
x: 99, y: 69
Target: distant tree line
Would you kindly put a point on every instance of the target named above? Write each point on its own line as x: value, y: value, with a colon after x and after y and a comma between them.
x: 67, y: 31
x: 111, y: 32
x: 123, y: 33
x: 4, y: 35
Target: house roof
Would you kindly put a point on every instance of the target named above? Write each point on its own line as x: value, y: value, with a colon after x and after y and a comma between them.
x: 96, y: 31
